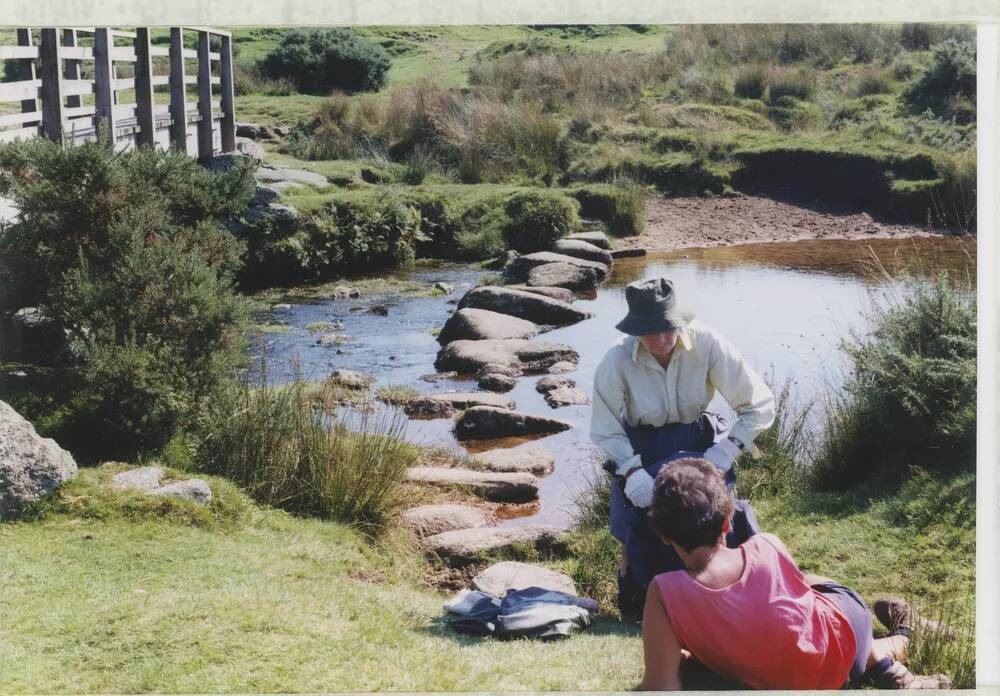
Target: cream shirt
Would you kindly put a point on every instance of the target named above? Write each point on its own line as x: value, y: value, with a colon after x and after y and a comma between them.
x: 629, y: 383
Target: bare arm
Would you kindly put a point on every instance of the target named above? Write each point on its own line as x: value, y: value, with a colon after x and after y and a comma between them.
x: 661, y: 649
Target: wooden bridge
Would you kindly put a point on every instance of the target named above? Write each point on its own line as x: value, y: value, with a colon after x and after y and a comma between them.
x: 57, y: 102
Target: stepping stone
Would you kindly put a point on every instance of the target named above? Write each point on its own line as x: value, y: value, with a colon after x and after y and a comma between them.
x: 479, y: 324
x: 350, y: 379
x: 497, y: 382
x: 564, y: 275
x: 468, y: 357
x: 627, y: 253
x: 526, y: 305
x: 427, y: 520
x: 463, y: 546
x: 194, y: 490
x: 488, y: 422
x: 518, y: 268
x: 547, y: 384
x: 449, y: 402
x: 582, y: 250
x: 562, y: 367
x: 532, y: 459
x: 493, y: 486
x: 500, y: 578
x: 566, y: 396
x: 499, y: 369
x: 330, y: 340
x: 145, y: 478
x: 561, y: 294
x: 598, y: 239
x: 299, y: 176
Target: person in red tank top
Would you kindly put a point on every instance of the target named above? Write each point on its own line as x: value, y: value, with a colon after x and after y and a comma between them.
x: 749, y: 614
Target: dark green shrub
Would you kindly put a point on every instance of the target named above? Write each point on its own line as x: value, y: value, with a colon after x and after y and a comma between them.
x: 910, y: 399
x: 125, y: 254
x: 799, y: 84
x: 874, y: 82
x: 536, y: 219
x: 751, y: 81
x: 622, y: 205
x: 320, y: 60
x: 948, y: 86
x: 858, y: 110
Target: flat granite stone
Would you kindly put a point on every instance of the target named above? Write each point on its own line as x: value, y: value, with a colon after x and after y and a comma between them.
x: 427, y: 520
x: 194, y: 490
x: 488, y: 422
x: 299, y: 176
x: 468, y: 357
x: 500, y: 578
x: 531, y: 306
x: 532, y: 459
x: 496, y: 487
x: 446, y: 403
x: 145, y: 478
x: 462, y: 546
x: 566, y: 396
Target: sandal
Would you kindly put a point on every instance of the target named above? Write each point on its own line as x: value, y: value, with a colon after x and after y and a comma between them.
x: 897, y: 615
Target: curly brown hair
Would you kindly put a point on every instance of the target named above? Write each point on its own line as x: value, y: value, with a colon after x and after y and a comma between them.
x: 690, y: 503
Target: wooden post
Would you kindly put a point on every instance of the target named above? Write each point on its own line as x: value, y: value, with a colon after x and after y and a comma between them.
x: 178, y: 92
x: 206, y: 125
x: 26, y: 71
x: 144, y: 99
x: 52, y: 86
x: 72, y: 71
x: 104, y: 90
x: 228, y: 123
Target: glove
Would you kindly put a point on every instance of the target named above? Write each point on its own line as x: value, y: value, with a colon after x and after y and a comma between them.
x: 639, y: 488
x: 722, y: 454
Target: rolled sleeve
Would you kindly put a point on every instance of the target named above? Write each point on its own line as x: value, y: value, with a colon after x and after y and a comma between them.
x: 745, y: 391
x: 606, y: 429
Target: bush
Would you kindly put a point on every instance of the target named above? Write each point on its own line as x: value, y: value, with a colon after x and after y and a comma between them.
x: 248, y: 78
x: 273, y: 444
x: 798, y: 84
x: 320, y: 60
x: 536, y: 219
x: 751, y: 81
x: 910, y: 398
x: 125, y: 254
x: 954, y: 202
x: 948, y: 86
x: 874, y: 82
x: 622, y: 205
x: 790, y: 113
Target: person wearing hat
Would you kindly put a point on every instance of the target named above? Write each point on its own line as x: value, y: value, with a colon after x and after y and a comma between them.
x: 651, y: 392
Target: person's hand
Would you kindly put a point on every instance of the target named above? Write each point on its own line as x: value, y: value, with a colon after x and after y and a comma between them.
x: 639, y: 488
x: 722, y: 454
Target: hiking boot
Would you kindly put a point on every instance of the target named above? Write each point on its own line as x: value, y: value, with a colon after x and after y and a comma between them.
x: 898, y: 616
x: 897, y: 676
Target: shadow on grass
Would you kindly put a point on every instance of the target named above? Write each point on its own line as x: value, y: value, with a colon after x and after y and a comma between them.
x: 601, y: 626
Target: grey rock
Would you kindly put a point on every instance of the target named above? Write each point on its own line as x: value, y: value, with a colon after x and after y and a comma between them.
x: 564, y: 275
x: 194, y: 490
x: 547, y: 384
x: 582, y: 250
x: 283, y: 216
x: 427, y: 520
x: 31, y: 467
x: 489, y: 422
x: 255, y: 131
x: 479, y: 324
x: 598, y: 239
x: 532, y: 459
x: 467, y: 357
x: 330, y: 340
x: 264, y: 195
x: 248, y: 147
x: 30, y: 317
x: 518, y: 269
x: 499, y: 369
x: 496, y: 382
x: 380, y: 310
x: 464, y: 545
x: 500, y: 578
x: 281, y: 306
x: 299, y: 176
x: 562, y: 367
x: 495, y: 487
x: 343, y: 292
x: 430, y: 405
x: 561, y: 294
x: 350, y: 379
x: 446, y: 288
x: 627, y: 253
x: 145, y: 478
x: 566, y: 396
x: 526, y: 305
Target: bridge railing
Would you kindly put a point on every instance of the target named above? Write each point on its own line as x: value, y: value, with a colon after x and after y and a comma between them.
x: 58, y: 103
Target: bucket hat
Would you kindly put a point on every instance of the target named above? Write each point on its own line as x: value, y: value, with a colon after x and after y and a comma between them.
x: 652, y: 308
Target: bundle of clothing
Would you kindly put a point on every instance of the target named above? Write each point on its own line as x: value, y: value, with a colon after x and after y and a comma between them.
x: 532, y: 612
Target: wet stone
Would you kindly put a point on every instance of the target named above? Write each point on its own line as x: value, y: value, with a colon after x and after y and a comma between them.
x: 547, y: 384
x: 480, y: 324
x: 562, y: 367
x: 492, y: 486
x: 496, y: 382
x: 582, y: 250
x: 566, y: 396
x: 328, y: 340
x: 598, y: 239
x: 532, y: 459
x: 488, y: 422
x: 525, y: 305
x: 468, y: 357
x: 627, y: 253
x: 427, y: 520
x: 561, y: 294
x: 350, y: 379
x: 564, y: 275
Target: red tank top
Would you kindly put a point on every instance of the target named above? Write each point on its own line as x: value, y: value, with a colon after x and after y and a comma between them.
x: 769, y: 629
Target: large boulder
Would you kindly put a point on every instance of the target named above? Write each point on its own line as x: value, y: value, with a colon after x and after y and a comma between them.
x: 488, y: 422
x: 427, y: 520
x: 468, y: 357
x: 500, y: 578
x: 582, y: 250
x: 493, y: 486
x: 31, y: 467
x: 531, y: 459
x: 598, y: 239
x: 563, y: 275
x: 465, y: 546
x: 518, y: 269
x: 479, y: 324
x: 526, y: 305
x: 561, y: 294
